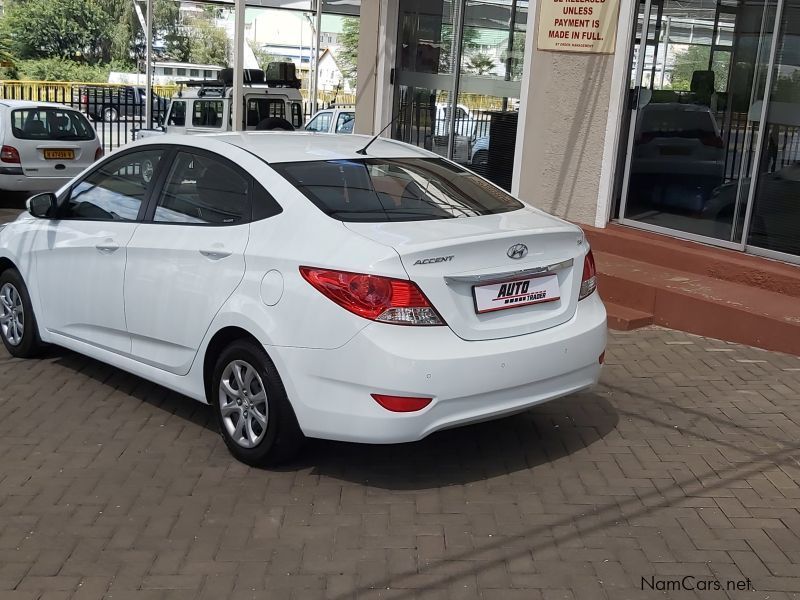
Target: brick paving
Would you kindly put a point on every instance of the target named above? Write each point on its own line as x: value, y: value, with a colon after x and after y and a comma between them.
x: 684, y: 461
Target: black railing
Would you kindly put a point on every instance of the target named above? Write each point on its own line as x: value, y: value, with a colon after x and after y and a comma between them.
x: 115, y: 111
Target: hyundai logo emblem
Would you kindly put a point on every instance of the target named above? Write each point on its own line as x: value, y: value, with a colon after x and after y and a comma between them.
x: 517, y: 251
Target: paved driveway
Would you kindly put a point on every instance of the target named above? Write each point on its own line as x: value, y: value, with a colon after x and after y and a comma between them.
x: 684, y: 462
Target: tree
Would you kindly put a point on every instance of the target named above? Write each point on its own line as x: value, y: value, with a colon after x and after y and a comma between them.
x: 68, y: 29
x: 263, y: 58
x: 479, y: 64
x: 347, y: 56
x: 208, y: 44
x: 517, y: 57
x: 695, y: 58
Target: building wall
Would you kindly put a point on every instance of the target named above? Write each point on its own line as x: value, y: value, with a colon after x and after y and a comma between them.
x: 562, y: 132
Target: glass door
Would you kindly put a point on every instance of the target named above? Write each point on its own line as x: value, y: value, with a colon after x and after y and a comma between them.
x: 773, y: 223
x: 426, y: 72
x: 699, y: 71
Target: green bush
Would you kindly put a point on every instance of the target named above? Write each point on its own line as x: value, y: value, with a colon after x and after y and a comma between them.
x: 60, y: 69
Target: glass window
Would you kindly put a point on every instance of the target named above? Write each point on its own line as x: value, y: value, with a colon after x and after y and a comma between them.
x: 115, y: 191
x: 322, y: 122
x: 259, y: 109
x: 345, y: 122
x: 403, y: 189
x: 194, y: 72
x: 297, y: 114
x: 50, y: 124
x: 207, y: 73
x: 775, y: 222
x: 167, y: 70
x: 182, y: 72
x: 204, y: 191
x: 177, y: 113
x: 208, y: 113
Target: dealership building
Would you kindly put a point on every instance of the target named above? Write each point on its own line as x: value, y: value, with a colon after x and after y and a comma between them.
x: 680, y: 117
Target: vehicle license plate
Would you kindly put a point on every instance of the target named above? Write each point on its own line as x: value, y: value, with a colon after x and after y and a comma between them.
x: 59, y: 154
x: 511, y: 294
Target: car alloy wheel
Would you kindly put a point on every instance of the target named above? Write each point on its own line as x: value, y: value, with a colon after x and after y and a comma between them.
x: 12, y: 314
x: 243, y: 404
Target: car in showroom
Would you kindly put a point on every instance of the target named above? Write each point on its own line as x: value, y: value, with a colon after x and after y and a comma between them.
x: 307, y: 285
x: 43, y: 145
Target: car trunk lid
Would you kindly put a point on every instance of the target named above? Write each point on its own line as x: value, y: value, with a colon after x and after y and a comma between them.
x: 449, y: 258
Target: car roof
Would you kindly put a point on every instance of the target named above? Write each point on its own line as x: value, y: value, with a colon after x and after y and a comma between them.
x: 298, y: 146
x: 32, y: 104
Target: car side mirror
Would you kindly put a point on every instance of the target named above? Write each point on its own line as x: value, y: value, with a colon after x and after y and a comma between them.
x: 42, y: 206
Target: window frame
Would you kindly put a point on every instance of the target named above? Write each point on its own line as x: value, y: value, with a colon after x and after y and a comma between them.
x: 151, y: 186
x: 249, y: 213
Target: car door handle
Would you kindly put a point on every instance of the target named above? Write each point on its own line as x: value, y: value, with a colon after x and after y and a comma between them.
x: 215, y: 254
x: 107, y: 247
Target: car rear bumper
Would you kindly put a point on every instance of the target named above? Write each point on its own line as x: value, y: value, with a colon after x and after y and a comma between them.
x: 468, y: 381
x: 22, y: 183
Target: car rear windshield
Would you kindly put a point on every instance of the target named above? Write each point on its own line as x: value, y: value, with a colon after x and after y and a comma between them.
x: 50, y: 123
x: 395, y: 189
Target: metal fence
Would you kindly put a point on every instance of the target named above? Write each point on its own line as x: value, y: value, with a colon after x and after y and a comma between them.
x: 116, y: 110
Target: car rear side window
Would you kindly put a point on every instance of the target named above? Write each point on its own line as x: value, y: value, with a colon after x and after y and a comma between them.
x: 259, y: 109
x: 207, y: 113
x: 396, y: 189
x: 202, y: 190
x: 50, y: 123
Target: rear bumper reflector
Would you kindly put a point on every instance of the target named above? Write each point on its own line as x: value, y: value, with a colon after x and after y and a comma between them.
x: 401, y: 403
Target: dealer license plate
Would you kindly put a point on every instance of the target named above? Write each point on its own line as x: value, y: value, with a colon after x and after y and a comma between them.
x: 59, y: 154
x: 511, y: 294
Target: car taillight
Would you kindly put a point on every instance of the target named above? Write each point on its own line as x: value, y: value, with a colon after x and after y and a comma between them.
x: 589, y: 278
x: 9, y: 154
x: 712, y: 140
x: 373, y: 297
x: 98, y: 154
x: 401, y: 403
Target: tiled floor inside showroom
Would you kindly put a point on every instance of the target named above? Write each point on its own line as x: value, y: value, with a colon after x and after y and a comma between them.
x: 681, y: 466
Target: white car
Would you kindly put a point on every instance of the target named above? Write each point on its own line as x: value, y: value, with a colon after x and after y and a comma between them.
x: 332, y: 120
x: 44, y: 145
x: 306, y: 286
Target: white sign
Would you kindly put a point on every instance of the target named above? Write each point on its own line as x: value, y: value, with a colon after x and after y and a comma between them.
x: 511, y: 294
x: 578, y: 25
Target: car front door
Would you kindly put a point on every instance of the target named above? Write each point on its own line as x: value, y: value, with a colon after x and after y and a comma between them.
x: 81, y: 254
x: 187, y: 258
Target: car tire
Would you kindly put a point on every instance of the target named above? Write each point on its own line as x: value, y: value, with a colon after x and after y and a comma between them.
x: 110, y: 114
x: 18, y: 328
x: 255, y: 417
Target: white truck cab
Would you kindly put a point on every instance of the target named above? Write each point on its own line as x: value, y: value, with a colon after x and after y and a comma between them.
x: 205, y: 106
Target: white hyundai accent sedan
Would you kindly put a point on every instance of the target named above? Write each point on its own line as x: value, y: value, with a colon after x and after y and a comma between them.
x: 304, y: 286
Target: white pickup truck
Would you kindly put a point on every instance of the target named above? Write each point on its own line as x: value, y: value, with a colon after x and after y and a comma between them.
x: 272, y: 100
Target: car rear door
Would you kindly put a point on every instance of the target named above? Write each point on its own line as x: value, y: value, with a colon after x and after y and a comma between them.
x: 187, y: 258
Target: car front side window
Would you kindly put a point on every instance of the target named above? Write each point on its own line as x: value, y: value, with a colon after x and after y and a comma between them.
x: 203, y: 190
x: 321, y: 122
x: 115, y: 191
